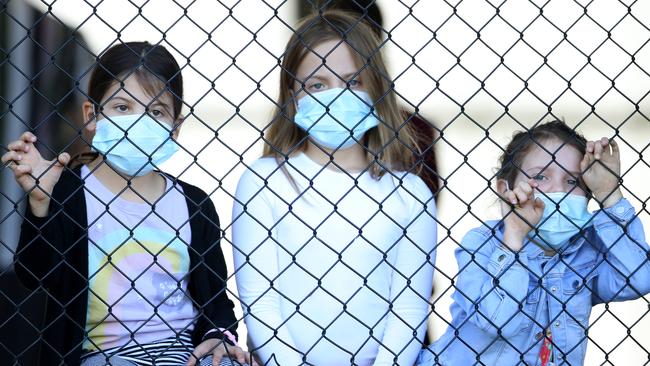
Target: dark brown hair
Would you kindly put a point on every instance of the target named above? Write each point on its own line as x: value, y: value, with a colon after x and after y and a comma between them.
x: 523, y: 141
x: 152, y: 65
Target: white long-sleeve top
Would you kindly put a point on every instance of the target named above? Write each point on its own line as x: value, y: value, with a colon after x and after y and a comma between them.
x: 336, y: 272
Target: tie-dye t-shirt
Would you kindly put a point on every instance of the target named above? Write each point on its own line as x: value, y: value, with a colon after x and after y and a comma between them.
x: 138, y: 265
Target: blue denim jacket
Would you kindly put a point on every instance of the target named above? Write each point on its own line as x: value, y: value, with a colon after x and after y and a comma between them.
x: 493, y: 283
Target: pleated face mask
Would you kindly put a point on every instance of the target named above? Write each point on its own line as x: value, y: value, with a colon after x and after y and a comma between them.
x: 134, y: 144
x: 564, y: 216
x: 336, y: 118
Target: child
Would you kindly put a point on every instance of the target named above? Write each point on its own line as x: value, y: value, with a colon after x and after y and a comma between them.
x: 333, y: 236
x: 129, y: 257
x: 527, y: 283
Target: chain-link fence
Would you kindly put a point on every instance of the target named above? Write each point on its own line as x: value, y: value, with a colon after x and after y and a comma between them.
x: 313, y: 247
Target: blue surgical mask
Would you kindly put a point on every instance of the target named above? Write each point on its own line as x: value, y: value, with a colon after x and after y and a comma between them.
x: 127, y: 143
x: 558, y: 225
x: 348, y: 111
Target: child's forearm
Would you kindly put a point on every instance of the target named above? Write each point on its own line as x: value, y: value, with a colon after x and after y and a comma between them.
x: 36, y: 255
x: 625, y: 273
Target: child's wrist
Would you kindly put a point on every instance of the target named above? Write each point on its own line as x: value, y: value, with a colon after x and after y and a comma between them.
x: 223, y: 334
x: 39, y: 207
x: 514, y: 239
x: 609, y: 199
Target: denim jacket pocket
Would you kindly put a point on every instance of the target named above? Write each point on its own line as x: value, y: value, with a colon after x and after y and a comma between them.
x: 576, y: 286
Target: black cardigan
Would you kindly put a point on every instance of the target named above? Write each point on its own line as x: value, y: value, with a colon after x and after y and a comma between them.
x: 52, y: 255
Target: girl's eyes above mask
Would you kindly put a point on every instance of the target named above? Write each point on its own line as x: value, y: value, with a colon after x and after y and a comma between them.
x: 156, y: 112
x: 541, y: 177
x: 316, y: 86
x: 354, y: 83
x: 153, y: 112
x: 319, y: 86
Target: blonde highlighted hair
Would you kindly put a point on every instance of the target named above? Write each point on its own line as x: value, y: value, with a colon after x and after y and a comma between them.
x: 390, y: 145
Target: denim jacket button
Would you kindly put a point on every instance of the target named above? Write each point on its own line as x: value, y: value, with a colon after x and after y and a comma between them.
x: 553, y: 289
x: 557, y: 324
x: 502, y: 257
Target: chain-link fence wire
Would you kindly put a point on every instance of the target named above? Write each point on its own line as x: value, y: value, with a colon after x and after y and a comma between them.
x: 481, y: 69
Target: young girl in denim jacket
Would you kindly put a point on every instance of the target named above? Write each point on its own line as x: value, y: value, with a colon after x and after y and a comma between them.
x: 527, y: 282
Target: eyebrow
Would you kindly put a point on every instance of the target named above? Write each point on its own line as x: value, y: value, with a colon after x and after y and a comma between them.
x: 117, y: 97
x: 342, y: 76
x: 155, y: 103
x: 159, y: 103
x: 545, y: 167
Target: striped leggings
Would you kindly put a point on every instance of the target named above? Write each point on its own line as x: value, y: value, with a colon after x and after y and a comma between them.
x: 101, y: 360
x: 167, y: 352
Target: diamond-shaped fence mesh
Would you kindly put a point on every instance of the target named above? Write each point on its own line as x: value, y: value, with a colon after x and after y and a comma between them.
x: 353, y: 182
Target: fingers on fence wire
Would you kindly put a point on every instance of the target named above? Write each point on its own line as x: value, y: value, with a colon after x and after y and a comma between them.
x: 37, y: 177
x: 601, y: 169
x: 28, y: 164
x: 17, y: 148
x: 521, y: 199
x: 11, y: 164
x: 521, y: 211
x: 216, y: 352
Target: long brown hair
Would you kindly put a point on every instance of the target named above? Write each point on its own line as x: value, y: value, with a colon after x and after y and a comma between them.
x: 389, y: 145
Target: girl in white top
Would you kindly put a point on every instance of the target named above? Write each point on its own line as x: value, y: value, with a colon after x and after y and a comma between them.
x: 334, y: 235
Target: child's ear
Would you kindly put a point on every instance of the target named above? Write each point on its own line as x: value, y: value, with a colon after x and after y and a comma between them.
x: 89, y: 117
x: 177, y: 126
x: 502, y: 186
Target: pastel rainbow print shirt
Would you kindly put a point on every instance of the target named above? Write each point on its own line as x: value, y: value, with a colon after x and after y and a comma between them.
x: 138, y: 265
